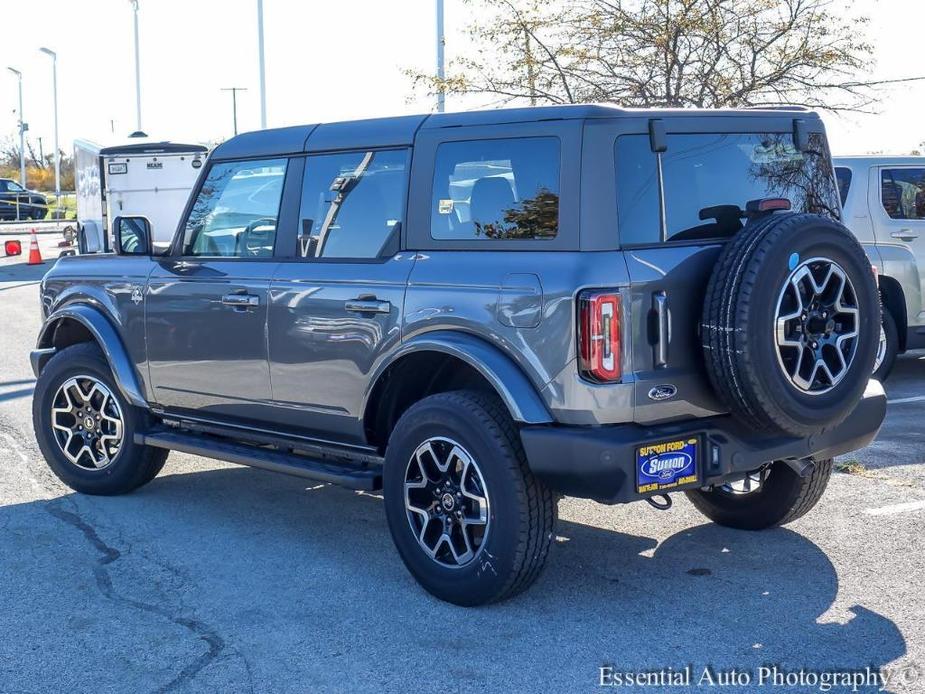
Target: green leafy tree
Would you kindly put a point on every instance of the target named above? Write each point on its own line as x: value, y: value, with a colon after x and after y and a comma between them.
x: 670, y: 53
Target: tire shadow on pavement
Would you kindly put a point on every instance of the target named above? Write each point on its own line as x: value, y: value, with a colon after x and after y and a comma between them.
x: 302, y: 583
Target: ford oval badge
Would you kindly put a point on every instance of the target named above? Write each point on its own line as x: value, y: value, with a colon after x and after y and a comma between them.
x: 663, y: 392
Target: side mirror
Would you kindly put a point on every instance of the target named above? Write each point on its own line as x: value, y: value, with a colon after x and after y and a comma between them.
x: 132, y: 235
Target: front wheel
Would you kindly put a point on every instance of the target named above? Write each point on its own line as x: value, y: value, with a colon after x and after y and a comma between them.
x: 888, y: 347
x: 85, y: 427
x: 775, y: 495
x: 470, y: 521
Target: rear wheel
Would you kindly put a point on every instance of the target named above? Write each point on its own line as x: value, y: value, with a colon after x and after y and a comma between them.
x: 85, y: 427
x: 468, y: 518
x: 774, y: 495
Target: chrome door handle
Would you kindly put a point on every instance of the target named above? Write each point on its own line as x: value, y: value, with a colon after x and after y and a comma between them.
x: 904, y: 235
x: 241, y: 300
x: 368, y: 306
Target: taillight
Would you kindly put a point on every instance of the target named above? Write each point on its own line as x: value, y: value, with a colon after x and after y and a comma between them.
x: 599, y: 336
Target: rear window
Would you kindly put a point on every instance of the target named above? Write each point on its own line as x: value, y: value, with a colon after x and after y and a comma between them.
x: 505, y: 189
x: 708, y: 180
x: 902, y: 192
x: 843, y: 178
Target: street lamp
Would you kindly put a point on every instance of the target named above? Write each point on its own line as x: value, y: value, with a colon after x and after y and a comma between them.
x: 441, y: 71
x: 22, y: 137
x: 54, y: 86
x: 137, y: 71
x: 263, y: 80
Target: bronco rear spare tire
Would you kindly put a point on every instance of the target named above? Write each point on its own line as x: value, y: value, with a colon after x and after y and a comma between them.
x: 791, y: 324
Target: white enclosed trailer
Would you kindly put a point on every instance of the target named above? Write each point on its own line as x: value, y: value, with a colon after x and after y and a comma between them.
x: 150, y: 179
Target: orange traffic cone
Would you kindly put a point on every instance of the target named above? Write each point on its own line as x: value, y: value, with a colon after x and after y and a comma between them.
x: 35, y: 255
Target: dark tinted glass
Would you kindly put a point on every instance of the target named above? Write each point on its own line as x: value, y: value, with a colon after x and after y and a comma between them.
x: 902, y: 192
x: 709, y: 179
x: 236, y: 210
x: 496, y: 189
x: 352, y: 203
x: 843, y: 178
x: 637, y: 191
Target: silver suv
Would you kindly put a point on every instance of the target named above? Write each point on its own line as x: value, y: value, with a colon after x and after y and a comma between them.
x: 884, y: 205
x: 476, y: 313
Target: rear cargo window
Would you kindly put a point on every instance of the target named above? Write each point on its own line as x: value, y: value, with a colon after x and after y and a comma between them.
x: 709, y: 178
x: 902, y: 192
x: 843, y: 178
x: 505, y: 189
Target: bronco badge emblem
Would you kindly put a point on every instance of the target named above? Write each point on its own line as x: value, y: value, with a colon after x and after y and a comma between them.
x: 137, y: 297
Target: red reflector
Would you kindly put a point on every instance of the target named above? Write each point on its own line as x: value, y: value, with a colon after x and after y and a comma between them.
x: 599, y: 336
x: 13, y: 248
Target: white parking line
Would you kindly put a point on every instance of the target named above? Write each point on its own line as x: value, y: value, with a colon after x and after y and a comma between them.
x: 902, y: 401
x: 896, y: 508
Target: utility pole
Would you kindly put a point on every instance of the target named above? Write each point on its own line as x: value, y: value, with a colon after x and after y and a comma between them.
x: 441, y: 69
x: 234, y: 103
x: 263, y: 78
x: 137, y: 70
x: 22, y: 137
x: 54, y: 86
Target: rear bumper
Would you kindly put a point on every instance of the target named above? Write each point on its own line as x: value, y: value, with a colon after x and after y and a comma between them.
x: 599, y: 462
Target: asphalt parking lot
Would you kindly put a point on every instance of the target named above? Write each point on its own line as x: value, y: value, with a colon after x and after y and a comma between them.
x: 221, y: 578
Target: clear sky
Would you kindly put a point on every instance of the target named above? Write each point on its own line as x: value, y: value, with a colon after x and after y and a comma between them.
x: 325, y: 61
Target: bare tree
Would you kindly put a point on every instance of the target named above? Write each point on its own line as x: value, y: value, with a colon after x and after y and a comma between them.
x: 673, y: 53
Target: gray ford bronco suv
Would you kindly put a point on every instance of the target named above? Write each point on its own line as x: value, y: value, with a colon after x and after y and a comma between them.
x: 477, y: 313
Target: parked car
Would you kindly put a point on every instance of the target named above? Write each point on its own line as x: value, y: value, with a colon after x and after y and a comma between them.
x: 884, y: 205
x: 32, y: 205
x: 476, y: 313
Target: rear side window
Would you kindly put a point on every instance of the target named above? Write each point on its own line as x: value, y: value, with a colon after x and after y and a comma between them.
x: 505, y: 189
x: 236, y: 210
x: 843, y: 178
x: 902, y: 192
x: 708, y: 179
x: 352, y: 203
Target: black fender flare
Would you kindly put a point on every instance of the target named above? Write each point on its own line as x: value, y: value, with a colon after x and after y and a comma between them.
x: 106, y: 336
x: 519, y: 395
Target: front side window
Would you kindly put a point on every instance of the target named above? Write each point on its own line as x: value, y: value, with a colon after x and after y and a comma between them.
x: 352, y: 203
x: 708, y: 180
x: 504, y: 189
x: 236, y: 210
x: 14, y: 187
x: 902, y: 192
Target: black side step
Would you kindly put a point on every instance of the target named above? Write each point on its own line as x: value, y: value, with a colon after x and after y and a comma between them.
x: 363, y: 478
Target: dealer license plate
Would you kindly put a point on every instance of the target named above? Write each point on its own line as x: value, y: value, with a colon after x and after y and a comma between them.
x: 666, y: 466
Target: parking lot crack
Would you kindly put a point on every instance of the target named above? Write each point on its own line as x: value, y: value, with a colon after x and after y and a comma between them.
x: 106, y: 556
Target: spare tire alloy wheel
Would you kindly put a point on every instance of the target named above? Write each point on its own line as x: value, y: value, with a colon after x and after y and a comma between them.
x: 446, y: 501
x: 87, y: 422
x: 817, y: 326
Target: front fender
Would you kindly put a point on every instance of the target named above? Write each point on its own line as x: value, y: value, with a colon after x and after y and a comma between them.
x: 106, y: 337
x: 511, y: 384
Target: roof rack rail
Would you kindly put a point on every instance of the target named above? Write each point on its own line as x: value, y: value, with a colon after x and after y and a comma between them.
x: 779, y: 107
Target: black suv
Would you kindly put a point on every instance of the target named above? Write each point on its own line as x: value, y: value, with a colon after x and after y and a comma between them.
x: 476, y: 313
x: 30, y: 204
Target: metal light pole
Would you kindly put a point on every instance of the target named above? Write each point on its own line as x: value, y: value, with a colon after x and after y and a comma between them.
x: 137, y: 70
x: 22, y: 137
x: 263, y: 79
x: 234, y: 103
x: 441, y: 71
x: 54, y: 86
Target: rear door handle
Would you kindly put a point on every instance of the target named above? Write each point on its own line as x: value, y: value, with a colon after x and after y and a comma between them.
x: 663, y: 323
x: 241, y: 300
x: 368, y: 306
x: 904, y: 235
